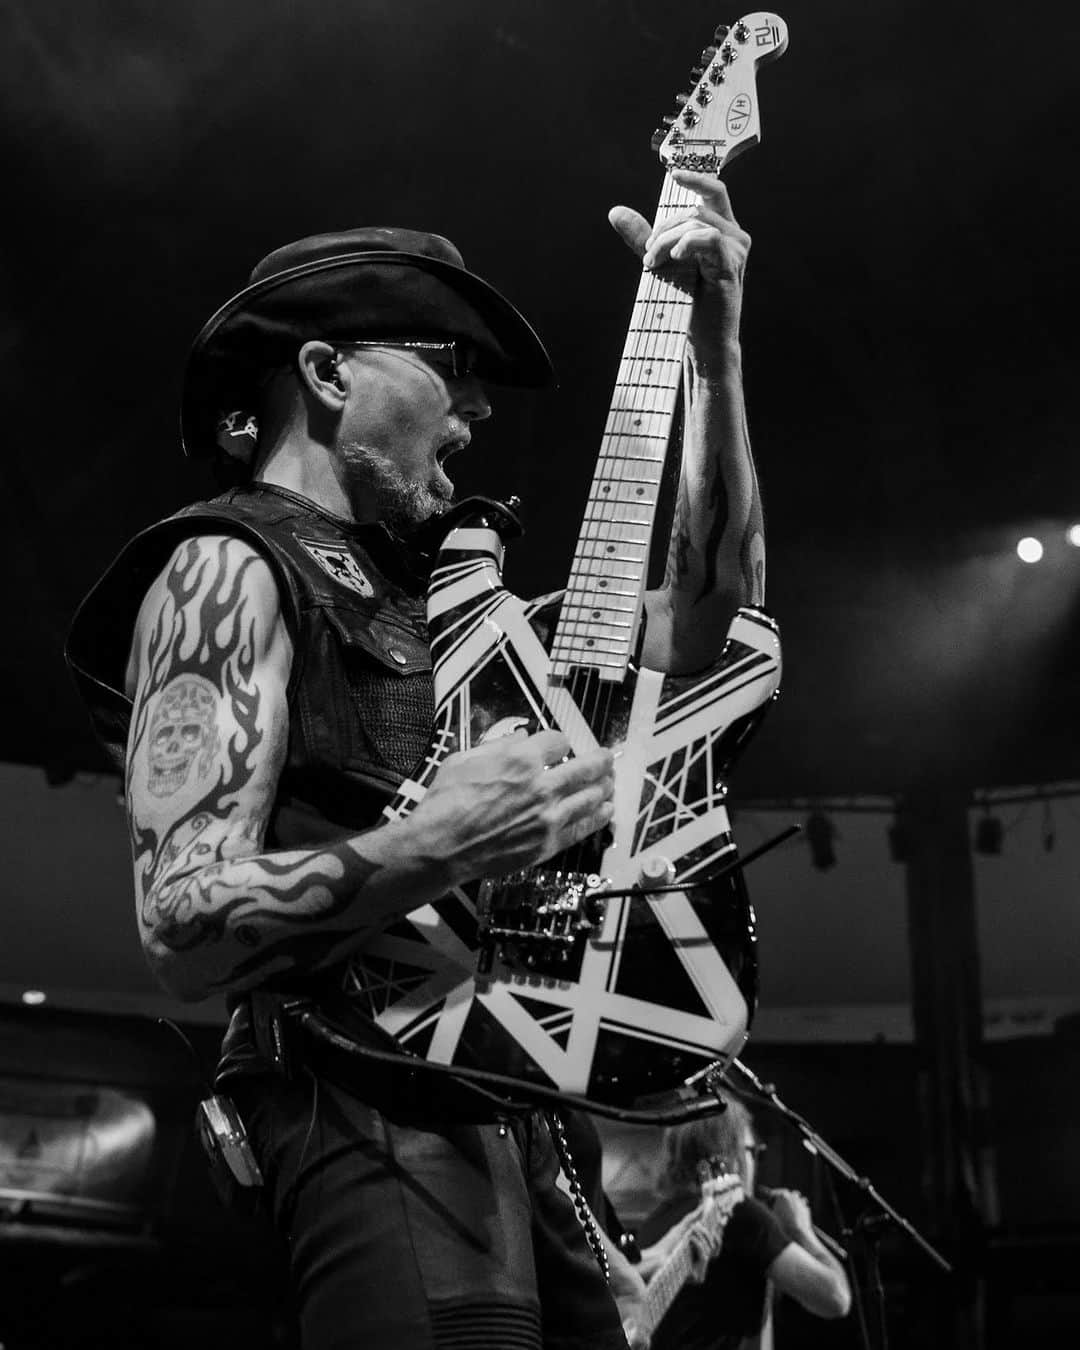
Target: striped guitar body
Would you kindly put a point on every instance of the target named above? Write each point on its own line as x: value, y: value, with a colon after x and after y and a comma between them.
x: 617, y: 1000
x: 571, y: 978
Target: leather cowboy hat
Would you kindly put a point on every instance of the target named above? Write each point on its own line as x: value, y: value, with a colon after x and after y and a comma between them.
x: 369, y: 282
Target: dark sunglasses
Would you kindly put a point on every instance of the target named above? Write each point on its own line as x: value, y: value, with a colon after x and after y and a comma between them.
x: 460, y: 357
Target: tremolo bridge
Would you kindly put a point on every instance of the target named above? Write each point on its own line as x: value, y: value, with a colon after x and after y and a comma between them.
x: 537, y: 922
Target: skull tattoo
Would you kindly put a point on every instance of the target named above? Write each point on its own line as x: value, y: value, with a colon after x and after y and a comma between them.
x: 181, y: 729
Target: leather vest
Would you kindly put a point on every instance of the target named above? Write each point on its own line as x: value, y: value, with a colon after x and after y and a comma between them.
x: 360, y: 696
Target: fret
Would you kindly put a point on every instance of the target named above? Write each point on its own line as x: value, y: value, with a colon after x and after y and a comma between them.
x: 577, y: 648
x: 624, y: 493
x: 653, y: 360
x: 597, y: 636
x: 594, y: 609
x: 659, y: 326
x: 632, y: 459
x: 654, y: 426
x: 613, y: 556
x: 625, y: 490
x: 580, y: 621
x: 640, y: 384
x: 599, y: 549
x: 611, y: 509
x: 597, y: 596
x: 575, y: 654
x: 592, y: 573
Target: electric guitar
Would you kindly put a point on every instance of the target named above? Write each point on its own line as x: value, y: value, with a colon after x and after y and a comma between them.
x: 720, y: 1192
x: 573, y: 979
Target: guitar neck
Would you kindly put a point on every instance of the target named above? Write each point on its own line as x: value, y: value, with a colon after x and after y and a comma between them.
x: 602, y: 608
x: 665, y: 1285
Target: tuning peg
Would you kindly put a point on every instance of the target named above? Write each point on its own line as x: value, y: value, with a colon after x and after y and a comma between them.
x: 740, y: 32
x: 682, y: 99
x: 707, y: 55
x: 697, y: 73
x: 669, y: 119
x: 722, y: 30
x: 659, y: 136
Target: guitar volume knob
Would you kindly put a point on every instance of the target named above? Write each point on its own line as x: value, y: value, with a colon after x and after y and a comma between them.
x: 656, y: 870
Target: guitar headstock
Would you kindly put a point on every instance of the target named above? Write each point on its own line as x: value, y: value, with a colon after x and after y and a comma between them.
x: 718, y: 118
x: 716, y: 1181
x: 721, y: 1191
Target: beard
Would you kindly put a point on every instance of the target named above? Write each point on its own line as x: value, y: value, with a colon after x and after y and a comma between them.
x: 373, y: 478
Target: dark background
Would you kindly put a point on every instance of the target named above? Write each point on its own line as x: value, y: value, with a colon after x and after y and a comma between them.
x: 910, y: 335
x: 910, y: 347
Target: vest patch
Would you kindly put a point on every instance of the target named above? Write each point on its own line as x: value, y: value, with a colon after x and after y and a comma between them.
x: 337, y: 561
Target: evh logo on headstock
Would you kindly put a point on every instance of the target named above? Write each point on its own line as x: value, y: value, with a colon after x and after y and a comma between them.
x: 718, y: 118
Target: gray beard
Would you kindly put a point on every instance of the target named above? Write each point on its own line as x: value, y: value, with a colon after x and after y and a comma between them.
x: 372, y: 478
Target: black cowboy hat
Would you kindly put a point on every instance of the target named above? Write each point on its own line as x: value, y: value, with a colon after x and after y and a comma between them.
x: 363, y: 283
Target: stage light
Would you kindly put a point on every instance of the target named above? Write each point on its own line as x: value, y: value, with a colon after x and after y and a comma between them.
x: 820, y: 833
x: 33, y: 997
x: 1072, y: 534
x: 1029, y: 549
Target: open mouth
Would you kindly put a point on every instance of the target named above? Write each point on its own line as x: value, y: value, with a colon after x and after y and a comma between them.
x: 448, y: 448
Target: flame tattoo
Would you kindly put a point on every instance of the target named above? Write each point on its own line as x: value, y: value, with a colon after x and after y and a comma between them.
x: 201, y: 878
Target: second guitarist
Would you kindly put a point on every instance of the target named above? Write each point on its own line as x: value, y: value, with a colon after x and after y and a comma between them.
x: 761, y: 1248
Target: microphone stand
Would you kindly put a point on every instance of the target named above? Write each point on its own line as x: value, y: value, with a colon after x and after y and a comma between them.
x: 878, y: 1213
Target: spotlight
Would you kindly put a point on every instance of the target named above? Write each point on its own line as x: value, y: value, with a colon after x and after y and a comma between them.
x: 1072, y: 534
x: 988, y: 835
x: 820, y: 833
x: 1029, y: 549
x: 33, y: 997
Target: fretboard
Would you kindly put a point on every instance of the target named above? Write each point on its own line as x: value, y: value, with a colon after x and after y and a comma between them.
x: 666, y: 1283
x: 720, y: 1195
x: 602, y: 608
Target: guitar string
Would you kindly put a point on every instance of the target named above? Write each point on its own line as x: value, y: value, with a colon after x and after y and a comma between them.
x: 592, y: 695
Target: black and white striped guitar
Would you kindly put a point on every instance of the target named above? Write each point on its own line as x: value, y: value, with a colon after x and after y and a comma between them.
x: 557, y: 978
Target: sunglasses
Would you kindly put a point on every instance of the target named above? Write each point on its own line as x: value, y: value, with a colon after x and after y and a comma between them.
x: 458, y: 358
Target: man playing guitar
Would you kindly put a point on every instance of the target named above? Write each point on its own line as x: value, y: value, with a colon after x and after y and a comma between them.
x: 263, y: 658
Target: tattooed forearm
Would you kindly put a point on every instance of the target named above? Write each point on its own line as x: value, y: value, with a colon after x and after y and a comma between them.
x: 717, y: 542
x: 268, y: 906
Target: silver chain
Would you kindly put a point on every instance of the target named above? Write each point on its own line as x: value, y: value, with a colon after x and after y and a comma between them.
x: 557, y: 1130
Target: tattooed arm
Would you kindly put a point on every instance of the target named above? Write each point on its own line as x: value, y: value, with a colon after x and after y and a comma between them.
x: 716, y: 554
x: 208, y: 675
